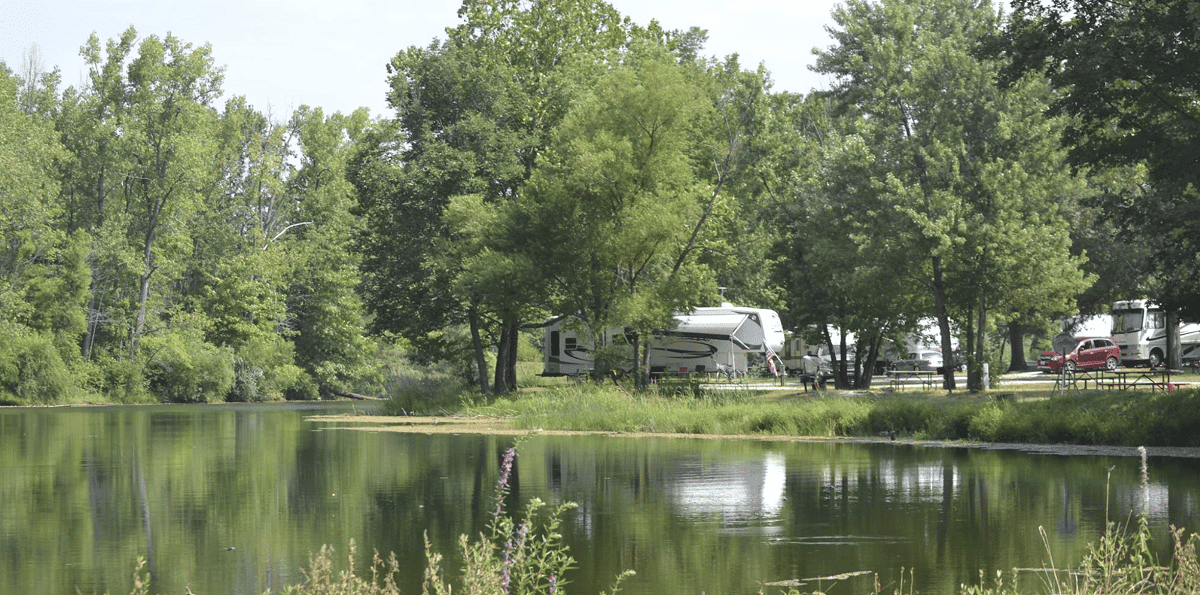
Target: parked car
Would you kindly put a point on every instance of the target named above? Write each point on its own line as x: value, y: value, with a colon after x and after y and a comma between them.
x: 1090, y: 353
x: 924, y: 361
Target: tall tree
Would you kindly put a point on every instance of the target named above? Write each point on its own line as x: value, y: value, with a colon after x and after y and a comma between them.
x: 616, y: 205
x: 972, y: 171
x: 42, y: 274
x: 324, y: 309
x: 837, y: 257
x: 472, y: 115
x: 1128, y: 79
x: 141, y: 131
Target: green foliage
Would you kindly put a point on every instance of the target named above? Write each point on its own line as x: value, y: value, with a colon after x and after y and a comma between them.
x: 264, y: 371
x: 1102, y: 418
x: 1127, y: 83
x: 413, y: 390
x: 921, y: 418
x: 182, y: 369
x: 31, y: 369
x: 968, y: 175
x: 321, y: 577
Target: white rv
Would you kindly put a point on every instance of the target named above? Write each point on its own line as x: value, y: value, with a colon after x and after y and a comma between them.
x: 705, y: 340
x: 1139, y: 328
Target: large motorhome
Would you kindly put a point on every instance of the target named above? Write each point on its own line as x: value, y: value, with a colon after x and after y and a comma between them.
x: 1139, y: 328
x: 718, y: 339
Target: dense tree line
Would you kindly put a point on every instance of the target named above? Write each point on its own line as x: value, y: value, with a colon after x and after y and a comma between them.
x: 158, y: 246
x: 993, y: 172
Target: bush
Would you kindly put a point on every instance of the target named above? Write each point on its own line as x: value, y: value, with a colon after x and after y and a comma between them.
x: 31, y: 370
x: 182, y: 369
x: 429, y: 392
x: 265, y: 370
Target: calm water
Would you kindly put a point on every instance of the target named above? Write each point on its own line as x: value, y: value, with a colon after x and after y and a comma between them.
x: 232, y: 500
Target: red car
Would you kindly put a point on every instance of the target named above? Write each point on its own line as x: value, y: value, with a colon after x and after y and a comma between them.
x: 1090, y: 353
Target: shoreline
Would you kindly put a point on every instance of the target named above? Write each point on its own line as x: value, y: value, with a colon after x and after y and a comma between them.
x: 502, y: 426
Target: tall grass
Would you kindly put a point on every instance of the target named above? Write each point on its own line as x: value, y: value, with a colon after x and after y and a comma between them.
x: 1097, y: 418
x: 592, y: 407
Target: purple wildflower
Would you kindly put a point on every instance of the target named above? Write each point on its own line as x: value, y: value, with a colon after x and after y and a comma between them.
x: 506, y: 574
x: 553, y: 584
x: 502, y: 488
x: 510, y: 547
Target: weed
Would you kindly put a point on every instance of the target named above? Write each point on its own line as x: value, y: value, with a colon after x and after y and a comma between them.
x: 1121, y: 563
x: 320, y: 578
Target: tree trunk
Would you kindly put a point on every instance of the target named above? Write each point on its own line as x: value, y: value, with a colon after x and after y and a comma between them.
x: 143, y: 296
x: 1174, y: 355
x: 637, y: 343
x: 514, y: 340
x: 972, y: 363
x: 481, y: 370
x: 500, y: 382
x: 939, y: 299
x: 1016, y: 336
x: 975, y: 378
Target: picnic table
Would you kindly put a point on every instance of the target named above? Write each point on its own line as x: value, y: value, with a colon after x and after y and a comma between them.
x: 928, y: 379
x: 1126, y: 378
x: 1072, y: 379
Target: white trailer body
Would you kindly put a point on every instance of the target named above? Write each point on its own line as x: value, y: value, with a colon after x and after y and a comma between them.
x: 701, y: 342
x: 1139, y: 328
x: 772, y: 326
x: 706, y: 343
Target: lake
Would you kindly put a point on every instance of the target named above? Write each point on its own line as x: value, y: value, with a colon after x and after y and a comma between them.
x: 232, y: 499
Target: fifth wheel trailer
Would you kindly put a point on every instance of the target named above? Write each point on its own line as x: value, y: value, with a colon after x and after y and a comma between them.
x: 717, y: 339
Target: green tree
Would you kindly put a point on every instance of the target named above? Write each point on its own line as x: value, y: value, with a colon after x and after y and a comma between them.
x: 235, y: 283
x: 972, y: 171
x: 1128, y: 79
x: 167, y: 133
x: 616, y: 204
x: 323, y: 307
x: 472, y: 115
x: 141, y: 131
x: 42, y: 276
x: 837, y: 258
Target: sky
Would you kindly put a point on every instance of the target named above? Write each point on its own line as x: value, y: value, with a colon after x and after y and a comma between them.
x: 281, y: 54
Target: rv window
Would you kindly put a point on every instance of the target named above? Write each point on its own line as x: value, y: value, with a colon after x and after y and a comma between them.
x: 554, y: 335
x: 569, y: 343
x: 1158, y: 320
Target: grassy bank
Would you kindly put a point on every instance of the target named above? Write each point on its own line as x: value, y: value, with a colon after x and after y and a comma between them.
x: 1132, y: 418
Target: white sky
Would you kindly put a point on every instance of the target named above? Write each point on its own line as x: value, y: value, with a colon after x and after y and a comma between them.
x: 282, y: 54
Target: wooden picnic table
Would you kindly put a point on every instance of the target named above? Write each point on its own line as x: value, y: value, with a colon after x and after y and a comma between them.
x: 1127, y: 378
x: 927, y: 378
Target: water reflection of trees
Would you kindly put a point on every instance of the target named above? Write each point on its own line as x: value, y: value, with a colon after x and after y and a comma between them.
x: 688, y: 515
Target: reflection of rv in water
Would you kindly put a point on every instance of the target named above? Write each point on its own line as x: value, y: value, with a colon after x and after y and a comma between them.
x: 704, y: 340
x: 1139, y: 327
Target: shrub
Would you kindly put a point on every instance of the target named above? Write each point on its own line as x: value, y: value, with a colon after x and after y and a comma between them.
x: 428, y: 392
x: 986, y: 424
x: 265, y: 370
x: 32, y: 371
x: 182, y: 369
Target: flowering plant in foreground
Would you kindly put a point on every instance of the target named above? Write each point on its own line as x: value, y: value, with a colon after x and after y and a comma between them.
x: 511, y: 558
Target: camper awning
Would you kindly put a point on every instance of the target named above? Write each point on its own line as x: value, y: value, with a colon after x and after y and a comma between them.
x: 739, y: 329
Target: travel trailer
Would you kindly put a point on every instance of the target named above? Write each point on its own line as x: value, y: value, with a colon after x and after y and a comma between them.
x: 718, y: 339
